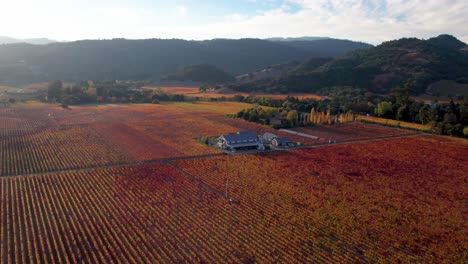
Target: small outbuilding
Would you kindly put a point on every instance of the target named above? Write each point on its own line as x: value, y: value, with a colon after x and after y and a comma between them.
x: 269, y: 136
x: 282, y: 142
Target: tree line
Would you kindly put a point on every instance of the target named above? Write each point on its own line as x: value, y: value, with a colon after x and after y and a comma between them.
x: 445, y: 118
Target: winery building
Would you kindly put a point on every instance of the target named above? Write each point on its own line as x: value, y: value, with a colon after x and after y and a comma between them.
x: 243, y: 140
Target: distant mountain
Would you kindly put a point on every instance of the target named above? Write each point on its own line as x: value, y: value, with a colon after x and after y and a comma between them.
x: 8, y: 40
x: 121, y: 59
x: 40, y: 41
x: 36, y: 41
x: 281, y: 70
x: 328, y: 47
x: 202, y: 73
x: 407, y: 62
x: 274, y: 71
x: 297, y: 39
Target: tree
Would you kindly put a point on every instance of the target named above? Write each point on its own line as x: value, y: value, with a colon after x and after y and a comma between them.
x: 401, y: 96
x: 465, y: 131
x: 426, y: 114
x: 450, y: 118
x: 312, y: 116
x: 402, y: 113
x: 384, y: 109
x: 54, y: 90
x: 292, y: 117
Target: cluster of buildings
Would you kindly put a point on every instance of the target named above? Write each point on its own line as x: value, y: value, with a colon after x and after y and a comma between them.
x: 248, y: 140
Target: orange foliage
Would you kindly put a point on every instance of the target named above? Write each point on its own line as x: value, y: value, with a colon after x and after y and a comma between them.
x: 195, y: 92
x: 136, y: 214
x: 55, y: 149
x: 394, y: 200
x: 397, y: 200
x: 175, y: 90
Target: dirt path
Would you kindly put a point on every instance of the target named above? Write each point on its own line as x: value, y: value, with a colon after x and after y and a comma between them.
x: 299, y: 134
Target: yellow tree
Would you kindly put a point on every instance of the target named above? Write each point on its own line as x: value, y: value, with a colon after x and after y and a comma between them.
x: 341, y: 118
x: 328, y: 117
x: 312, y: 116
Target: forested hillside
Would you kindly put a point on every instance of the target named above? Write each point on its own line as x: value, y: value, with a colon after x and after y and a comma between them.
x: 203, y: 73
x: 409, y: 62
x: 121, y: 59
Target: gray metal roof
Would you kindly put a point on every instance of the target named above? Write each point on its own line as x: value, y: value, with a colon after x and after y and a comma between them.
x: 269, y: 136
x: 282, y: 140
x: 241, y: 136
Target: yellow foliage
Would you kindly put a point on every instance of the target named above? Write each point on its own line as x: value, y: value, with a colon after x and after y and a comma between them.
x: 91, y: 91
x: 379, y: 120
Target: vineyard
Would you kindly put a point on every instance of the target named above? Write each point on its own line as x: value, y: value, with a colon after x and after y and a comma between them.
x: 142, y: 214
x: 371, y: 202
x: 131, y: 184
x: 353, y: 131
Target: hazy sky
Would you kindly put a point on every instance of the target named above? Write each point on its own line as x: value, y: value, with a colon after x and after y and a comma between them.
x: 366, y: 20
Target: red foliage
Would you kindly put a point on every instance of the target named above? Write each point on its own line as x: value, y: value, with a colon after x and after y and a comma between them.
x: 137, y: 145
x: 353, y: 131
x: 399, y: 200
x: 393, y: 200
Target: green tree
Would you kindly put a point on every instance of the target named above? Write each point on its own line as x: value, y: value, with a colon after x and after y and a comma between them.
x: 384, y: 109
x: 465, y: 131
x: 402, y: 113
x: 292, y: 117
x: 401, y: 96
x: 426, y: 114
x: 54, y: 90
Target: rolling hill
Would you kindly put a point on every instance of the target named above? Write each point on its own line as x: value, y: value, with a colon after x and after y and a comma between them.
x: 203, y: 73
x: 409, y: 62
x: 36, y: 41
x: 124, y: 59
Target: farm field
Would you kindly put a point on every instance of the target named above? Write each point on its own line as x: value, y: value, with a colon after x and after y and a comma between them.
x: 362, y: 202
x: 384, y: 121
x: 347, y: 203
x: 195, y: 92
x: 4, y: 89
x: 44, y: 138
x: 213, y: 107
x: 130, y: 183
x: 353, y: 131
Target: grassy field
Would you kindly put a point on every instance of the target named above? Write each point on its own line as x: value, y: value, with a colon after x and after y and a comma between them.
x: 5, y: 89
x: 195, y: 92
x: 396, y: 123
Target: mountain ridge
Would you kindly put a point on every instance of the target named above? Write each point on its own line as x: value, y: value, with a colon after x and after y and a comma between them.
x: 122, y: 59
x: 407, y: 62
x: 34, y: 41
